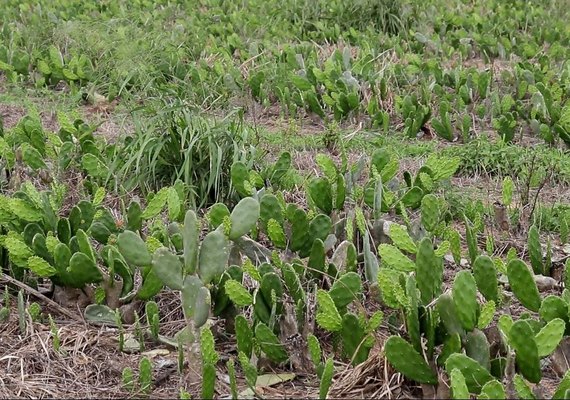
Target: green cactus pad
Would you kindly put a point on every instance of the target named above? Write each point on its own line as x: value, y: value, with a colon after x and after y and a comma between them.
x: 522, y: 284
x: 195, y: 300
x: 412, y: 315
x: 451, y: 346
x: 446, y: 308
x: 346, y: 289
x: 406, y: 360
x: 458, y: 386
x: 494, y: 390
x: 320, y: 191
x: 465, y: 299
x: 190, y: 239
x: 553, y: 307
x: 485, y: 274
x: 320, y: 227
x: 521, y: 337
x: 534, y: 250
x: 549, y: 337
x: 429, y: 271
x: 64, y: 230
x: 299, y: 231
x: 244, y: 335
x: 84, y: 244
x: 353, y: 344
x: 270, y: 208
x: 430, y: 212
x: 83, y: 270
x: 475, y: 375
x: 216, y: 214
x: 471, y: 239
x: 271, y: 282
x: 477, y: 347
x: 394, y: 258
x: 99, y: 232
x: 168, y: 268
x: 134, y: 217
x: 133, y: 249
x: 244, y: 217
x: 214, y: 255
x: 270, y: 343
x: 316, y: 264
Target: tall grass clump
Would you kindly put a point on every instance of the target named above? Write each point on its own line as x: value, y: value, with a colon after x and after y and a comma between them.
x: 178, y: 144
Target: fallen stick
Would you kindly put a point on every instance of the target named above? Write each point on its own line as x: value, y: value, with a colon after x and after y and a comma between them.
x: 37, y: 294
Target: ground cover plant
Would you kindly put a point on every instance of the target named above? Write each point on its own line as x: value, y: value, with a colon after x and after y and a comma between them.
x: 277, y: 199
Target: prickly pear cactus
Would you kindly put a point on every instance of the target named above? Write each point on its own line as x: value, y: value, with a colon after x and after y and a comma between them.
x: 168, y: 268
x: 535, y: 251
x: 213, y: 257
x: 475, y: 375
x: 523, y: 285
x: 430, y: 212
x: 485, y: 274
x: 521, y: 337
x: 429, y: 271
x: 549, y: 337
x: 320, y: 191
x: 406, y: 360
x: 465, y: 299
x: 458, y: 386
x: 493, y: 390
x: 471, y: 239
x: 477, y: 347
x: 412, y: 315
x: 244, y: 335
x: 353, y: 333
x: 270, y: 344
x: 448, y: 315
x: 133, y: 249
x: 346, y: 289
x: 244, y: 217
x: 554, y: 307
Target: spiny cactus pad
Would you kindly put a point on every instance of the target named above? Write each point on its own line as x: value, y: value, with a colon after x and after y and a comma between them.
x: 475, y: 375
x: 485, y: 274
x: 521, y: 338
x: 523, y: 285
x: 406, y: 360
x: 465, y: 299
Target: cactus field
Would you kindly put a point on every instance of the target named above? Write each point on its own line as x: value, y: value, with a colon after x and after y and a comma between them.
x: 260, y: 199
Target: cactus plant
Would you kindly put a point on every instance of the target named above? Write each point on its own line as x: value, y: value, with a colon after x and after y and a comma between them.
x: 430, y: 212
x: 475, y: 375
x: 326, y: 379
x: 320, y: 192
x: 465, y: 299
x: 527, y: 359
x: 477, y: 347
x: 243, y: 218
x: 523, y: 284
x: 406, y: 360
x: 353, y: 339
x: 244, y: 335
x: 493, y: 390
x: 458, y: 386
x: 553, y: 307
x: 534, y: 250
x: 270, y: 344
x: 485, y: 274
x: 549, y: 337
x: 346, y: 289
x: 446, y: 308
x: 429, y: 271
x: 412, y: 315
